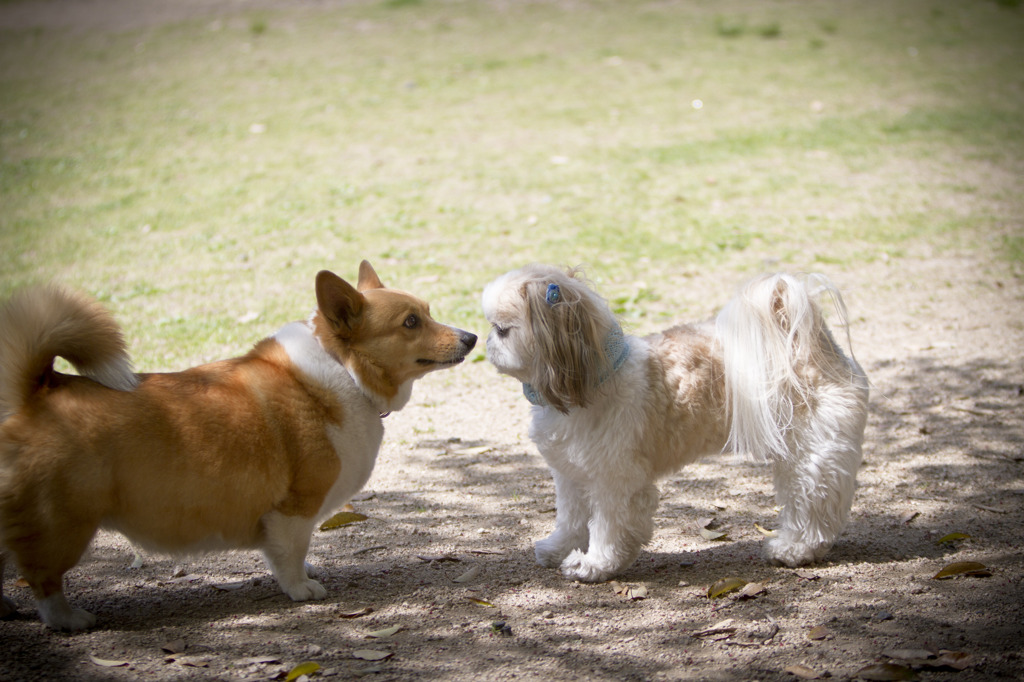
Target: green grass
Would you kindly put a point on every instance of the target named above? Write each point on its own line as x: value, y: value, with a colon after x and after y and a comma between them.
x: 192, y: 173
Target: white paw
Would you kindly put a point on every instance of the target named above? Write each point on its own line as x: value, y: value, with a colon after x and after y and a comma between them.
x: 72, y: 619
x: 58, y: 614
x: 305, y: 590
x: 582, y: 567
x: 549, y: 553
x: 781, y: 551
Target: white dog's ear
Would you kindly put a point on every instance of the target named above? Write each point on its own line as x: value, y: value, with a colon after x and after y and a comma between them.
x: 568, y: 325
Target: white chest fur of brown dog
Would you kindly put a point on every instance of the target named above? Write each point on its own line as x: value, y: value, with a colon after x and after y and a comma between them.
x: 244, y: 453
x: 612, y: 413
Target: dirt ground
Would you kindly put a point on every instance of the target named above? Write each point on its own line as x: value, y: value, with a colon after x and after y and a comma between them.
x: 460, y: 494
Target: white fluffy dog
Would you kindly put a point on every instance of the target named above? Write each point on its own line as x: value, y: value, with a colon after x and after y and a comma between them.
x: 614, y: 413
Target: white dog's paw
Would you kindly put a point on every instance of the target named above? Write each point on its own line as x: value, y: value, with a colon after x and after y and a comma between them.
x: 781, y: 551
x: 305, y: 590
x: 549, y: 552
x: 582, y: 567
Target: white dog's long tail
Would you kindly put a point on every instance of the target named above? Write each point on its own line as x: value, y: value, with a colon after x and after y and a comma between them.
x: 777, y: 349
x: 41, y: 323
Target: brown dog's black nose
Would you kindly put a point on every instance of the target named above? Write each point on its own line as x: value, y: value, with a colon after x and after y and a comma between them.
x: 468, y: 340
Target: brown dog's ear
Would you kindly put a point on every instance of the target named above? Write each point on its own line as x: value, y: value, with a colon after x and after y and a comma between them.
x: 569, y: 352
x: 339, y: 303
x: 368, y: 278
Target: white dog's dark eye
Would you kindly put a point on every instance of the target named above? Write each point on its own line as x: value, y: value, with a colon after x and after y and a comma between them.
x: 502, y: 332
x: 411, y: 322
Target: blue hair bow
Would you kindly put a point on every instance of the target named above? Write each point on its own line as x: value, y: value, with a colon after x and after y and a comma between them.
x: 554, y: 294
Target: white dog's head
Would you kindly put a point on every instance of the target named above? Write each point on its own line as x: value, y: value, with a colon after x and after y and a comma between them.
x: 549, y: 330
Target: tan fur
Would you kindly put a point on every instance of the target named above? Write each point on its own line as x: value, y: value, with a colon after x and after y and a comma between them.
x: 43, y: 322
x: 206, y: 458
x: 684, y: 375
x: 570, y: 334
x: 766, y: 379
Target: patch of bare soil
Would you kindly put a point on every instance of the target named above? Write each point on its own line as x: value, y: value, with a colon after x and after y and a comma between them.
x: 460, y: 495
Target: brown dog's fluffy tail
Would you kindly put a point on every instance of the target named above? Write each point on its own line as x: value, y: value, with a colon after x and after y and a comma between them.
x: 42, y: 323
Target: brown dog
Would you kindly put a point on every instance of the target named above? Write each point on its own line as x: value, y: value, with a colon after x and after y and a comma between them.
x: 244, y: 453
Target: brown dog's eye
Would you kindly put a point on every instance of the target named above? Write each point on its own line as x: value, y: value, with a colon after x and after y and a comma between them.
x: 411, y: 322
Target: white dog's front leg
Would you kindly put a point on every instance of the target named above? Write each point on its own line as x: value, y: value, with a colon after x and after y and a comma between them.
x: 285, y: 547
x: 620, y: 526
x: 572, y: 514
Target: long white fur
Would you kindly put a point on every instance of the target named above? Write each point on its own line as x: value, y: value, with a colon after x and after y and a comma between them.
x: 762, y: 347
x: 794, y: 399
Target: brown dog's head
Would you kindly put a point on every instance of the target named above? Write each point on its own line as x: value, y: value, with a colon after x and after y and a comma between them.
x: 385, y: 337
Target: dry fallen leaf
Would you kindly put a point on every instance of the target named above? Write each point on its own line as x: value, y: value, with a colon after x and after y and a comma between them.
x: 307, y: 668
x: 230, y: 587
x: 804, y: 574
x: 474, y: 451
x: 256, y: 660
x: 803, y: 671
x: 371, y: 655
x: 105, y: 663
x: 764, y: 531
x: 909, y: 516
x: 176, y: 646
x: 342, y: 518
x: 922, y: 658
x: 952, y: 537
x: 971, y: 568
x: 481, y: 602
x: 705, y: 521
x: 725, y: 586
x: 356, y: 614
x: 818, y: 632
x: 187, y: 578
x: 469, y: 575
x: 957, y: 660
x: 712, y: 534
x: 385, y: 633
x: 634, y: 592
x: 724, y: 627
x: 750, y: 591
x: 908, y: 654
x: 886, y: 672
x: 372, y: 548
